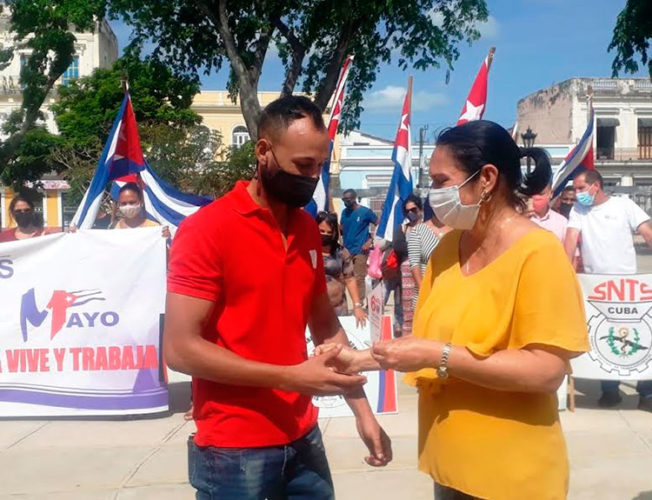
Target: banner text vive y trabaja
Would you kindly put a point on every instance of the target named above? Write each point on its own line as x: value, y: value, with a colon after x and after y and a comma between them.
x: 80, y: 324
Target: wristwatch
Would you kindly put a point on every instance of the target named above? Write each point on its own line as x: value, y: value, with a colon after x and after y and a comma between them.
x: 357, y: 304
x: 442, y: 369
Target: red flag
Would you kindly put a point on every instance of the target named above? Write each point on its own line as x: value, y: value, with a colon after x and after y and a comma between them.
x: 476, y: 102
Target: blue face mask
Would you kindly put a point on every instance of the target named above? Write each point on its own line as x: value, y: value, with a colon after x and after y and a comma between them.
x: 585, y: 198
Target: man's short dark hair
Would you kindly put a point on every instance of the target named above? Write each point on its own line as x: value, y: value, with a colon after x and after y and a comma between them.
x: 591, y: 176
x: 278, y: 115
x: 351, y: 192
x: 567, y: 189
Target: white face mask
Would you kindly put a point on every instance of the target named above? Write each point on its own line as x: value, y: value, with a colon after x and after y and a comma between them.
x: 130, y: 211
x: 449, y: 209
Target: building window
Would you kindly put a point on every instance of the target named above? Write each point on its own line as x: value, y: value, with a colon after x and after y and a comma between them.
x: 240, y: 136
x: 606, y: 138
x: 72, y: 73
x: 645, y: 139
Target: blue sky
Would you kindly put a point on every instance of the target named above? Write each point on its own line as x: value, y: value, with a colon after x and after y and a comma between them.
x: 538, y: 43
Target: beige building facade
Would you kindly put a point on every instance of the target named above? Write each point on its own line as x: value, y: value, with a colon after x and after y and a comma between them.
x: 221, y: 114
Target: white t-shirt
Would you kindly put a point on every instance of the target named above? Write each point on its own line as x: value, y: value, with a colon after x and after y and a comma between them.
x: 606, y: 232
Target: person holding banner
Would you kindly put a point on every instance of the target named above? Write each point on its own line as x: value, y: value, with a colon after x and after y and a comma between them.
x: 131, y: 208
x: 246, y: 278
x: 605, y: 224
x: 499, y: 316
x: 29, y: 223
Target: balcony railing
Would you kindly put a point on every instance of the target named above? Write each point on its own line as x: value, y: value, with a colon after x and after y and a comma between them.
x: 640, y: 153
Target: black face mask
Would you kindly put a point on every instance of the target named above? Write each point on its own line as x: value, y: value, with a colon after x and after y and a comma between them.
x: 24, y: 219
x: 291, y: 189
x: 565, y: 209
x: 413, y: 217
x: 326, y: 239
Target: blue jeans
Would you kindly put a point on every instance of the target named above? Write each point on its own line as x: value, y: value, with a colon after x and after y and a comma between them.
x: 298, y: 470
x: 643, y: 387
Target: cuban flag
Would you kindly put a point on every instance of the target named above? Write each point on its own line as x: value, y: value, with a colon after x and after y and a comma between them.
x: 476, y: 102
x: 580, y: 158
x: 320, y: 199
x: 400, y: 187
x: 122, y: 161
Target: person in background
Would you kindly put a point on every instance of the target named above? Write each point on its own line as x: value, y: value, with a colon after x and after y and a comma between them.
x: 421, y: 242
x: 413, y: 212
x: 356, y: 237
x: 131, y: 209
x: 565, y: 201
x: 29, y: 222
x: 542, y: 215
x: 605, y: 224
x: 338, y: 266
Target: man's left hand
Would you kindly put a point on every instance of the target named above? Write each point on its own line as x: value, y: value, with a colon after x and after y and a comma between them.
x: 376, y: 440
x: 367, y: 246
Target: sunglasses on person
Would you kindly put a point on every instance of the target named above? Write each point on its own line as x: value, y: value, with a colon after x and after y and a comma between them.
x: 23, y: 211
x: 413, y: 210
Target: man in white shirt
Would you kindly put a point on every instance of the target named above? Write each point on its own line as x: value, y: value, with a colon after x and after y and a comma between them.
x: 605, y: 224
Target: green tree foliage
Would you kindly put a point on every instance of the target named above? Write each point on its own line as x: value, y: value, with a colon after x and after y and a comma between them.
x: 632, y: 36
x: 86, y: 108
x: 42, y: 28
x: 183, y: 152
x: 312, y: 38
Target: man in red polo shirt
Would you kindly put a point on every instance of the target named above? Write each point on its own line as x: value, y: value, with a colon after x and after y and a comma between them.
x: 246, y: 277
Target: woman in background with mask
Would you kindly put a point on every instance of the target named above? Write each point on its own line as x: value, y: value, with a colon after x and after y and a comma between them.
x: 131, y: 210
x: 29, y: 222
x: 338, y: 265
x: 499, y: 316
x: 413, y: 212
x: 421, y: 243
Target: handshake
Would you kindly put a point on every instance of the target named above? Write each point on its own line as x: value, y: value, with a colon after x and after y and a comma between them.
x: 334, y: 368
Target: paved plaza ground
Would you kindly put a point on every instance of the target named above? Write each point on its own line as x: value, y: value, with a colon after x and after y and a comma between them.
x: 610, y: 452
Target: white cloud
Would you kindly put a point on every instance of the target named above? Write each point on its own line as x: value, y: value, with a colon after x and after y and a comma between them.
x: 391, y: 98
x: 490, y: 28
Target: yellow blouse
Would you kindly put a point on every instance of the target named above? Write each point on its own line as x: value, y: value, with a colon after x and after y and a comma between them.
x: 487, y: 443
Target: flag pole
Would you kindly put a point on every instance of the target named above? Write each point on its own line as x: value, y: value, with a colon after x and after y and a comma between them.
x: 124, y: 81
x: 490, y: 57
x: 409, y: 95
x: 589, y: 110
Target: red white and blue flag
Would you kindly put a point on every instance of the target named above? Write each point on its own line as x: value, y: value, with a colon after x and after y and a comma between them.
x: 122, y: 161
x: 320, y: 199
x: 476, y: 102
x: 400, y: 187
x: 580, y: 158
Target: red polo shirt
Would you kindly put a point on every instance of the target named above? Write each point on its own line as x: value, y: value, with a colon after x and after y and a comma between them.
x: 231, y: 252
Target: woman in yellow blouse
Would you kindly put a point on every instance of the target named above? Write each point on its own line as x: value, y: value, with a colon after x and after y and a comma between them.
x: 499, y: 316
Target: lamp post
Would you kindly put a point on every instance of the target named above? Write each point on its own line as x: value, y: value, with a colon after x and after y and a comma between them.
x: 528, y: 141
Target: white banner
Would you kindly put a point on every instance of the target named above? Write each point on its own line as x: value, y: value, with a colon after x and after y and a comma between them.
x: 381, y: 385
x: 620, y: 327
x: 80, y: 324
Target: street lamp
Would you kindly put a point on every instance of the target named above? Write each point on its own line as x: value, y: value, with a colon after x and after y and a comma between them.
x: 528, y: 141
